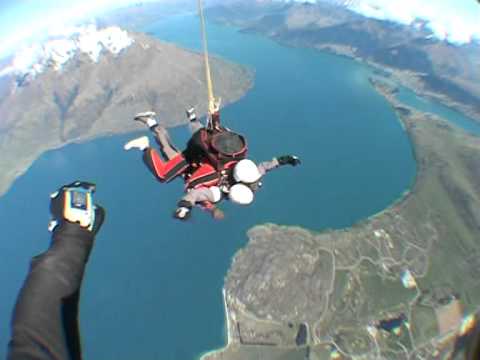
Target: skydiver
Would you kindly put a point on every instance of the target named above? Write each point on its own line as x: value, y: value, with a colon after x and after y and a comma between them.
x: 214, y: 164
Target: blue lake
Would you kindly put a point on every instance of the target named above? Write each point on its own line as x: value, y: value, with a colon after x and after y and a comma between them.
x: 410, y: 98
x: 153, y: 285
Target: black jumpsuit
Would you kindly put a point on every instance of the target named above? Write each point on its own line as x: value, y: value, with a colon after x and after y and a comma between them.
x: 45, y: 319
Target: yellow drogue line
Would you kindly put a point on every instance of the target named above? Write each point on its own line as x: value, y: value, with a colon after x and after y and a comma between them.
x: 211, y: 98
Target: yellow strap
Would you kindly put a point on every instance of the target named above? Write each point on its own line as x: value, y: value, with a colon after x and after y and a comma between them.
x: 211, y: 98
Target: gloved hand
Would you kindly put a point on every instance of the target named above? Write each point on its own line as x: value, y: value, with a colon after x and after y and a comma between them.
x: 289, y: 159
x: 74, y: 203
x: 183, y: 211
x: 218, y: 214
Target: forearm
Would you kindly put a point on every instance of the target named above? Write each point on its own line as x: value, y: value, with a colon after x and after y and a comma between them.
x: 44, y: 324
x: 279, y: 161
x: 200, y: 196
x: 266, y: 166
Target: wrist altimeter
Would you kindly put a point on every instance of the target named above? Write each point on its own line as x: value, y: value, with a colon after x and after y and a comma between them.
x: 74, y: 203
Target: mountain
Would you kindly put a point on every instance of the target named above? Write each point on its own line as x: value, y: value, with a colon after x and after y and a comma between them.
x: 54, y: 101
x: 60, y: 49
x: 410, y: 54
x: 244, y: 13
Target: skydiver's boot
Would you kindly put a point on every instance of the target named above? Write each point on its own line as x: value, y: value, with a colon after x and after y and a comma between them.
x: 191, y: 114
x: 195, y: 124
x: 147, y: 118
x: 140, y: 143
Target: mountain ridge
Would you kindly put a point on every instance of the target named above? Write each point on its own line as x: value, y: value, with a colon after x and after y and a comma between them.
x: 87, y: 100
x: 432, y: 68
x: 57, y: 51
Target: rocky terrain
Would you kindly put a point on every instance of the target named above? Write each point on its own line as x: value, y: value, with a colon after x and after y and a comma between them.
x: 397, y: 286
x: 84, y: 99
x: 432, y: 68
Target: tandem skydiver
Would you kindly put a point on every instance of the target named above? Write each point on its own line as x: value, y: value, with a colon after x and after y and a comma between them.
x: 213, y: 165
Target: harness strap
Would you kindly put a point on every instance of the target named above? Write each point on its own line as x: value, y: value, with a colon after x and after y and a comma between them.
x: 205, y: 175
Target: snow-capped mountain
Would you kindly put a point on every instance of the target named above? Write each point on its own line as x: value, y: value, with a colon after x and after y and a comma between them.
x: 56, y: 52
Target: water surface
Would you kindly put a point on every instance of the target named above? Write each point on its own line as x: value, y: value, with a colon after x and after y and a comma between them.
x: 410, y: 98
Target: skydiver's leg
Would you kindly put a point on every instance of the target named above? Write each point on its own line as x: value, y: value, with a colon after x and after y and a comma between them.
x: 195, y: 123
x: 205, y: 197
x: 173, y: 163
x: 195, y: 126
x: 162, y: 137
x: 163, y: 140
x: 216, y: 120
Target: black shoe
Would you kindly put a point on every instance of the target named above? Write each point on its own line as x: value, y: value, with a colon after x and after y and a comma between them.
x: 191, y: 114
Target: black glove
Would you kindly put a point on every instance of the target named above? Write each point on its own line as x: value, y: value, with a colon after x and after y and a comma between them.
x: 184, y: 210
x: 74, y: 203
x: 289, y: 159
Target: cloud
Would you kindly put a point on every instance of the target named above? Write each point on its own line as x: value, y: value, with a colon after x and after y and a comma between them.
x: 48, y: 19
x: 456, y: 22
x: 55, y: 53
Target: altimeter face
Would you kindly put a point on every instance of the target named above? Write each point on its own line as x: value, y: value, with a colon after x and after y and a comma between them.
x: 79, y: 200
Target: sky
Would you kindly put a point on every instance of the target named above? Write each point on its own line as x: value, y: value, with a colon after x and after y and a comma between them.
x: 25, y: 20
x: 20, y: 20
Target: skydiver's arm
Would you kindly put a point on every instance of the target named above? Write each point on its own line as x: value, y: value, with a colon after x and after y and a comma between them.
x: 266, y: 166
x: 45, y: 319
x: 45, y: 324
x: 203, y: 197
x: 213, y: 209
x: 199, y: 195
